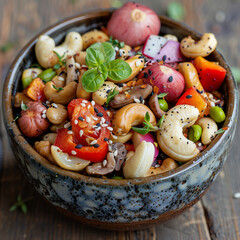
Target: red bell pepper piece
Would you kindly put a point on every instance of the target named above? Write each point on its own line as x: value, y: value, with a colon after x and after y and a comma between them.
x: 211, y: 75
x: 85, y: 120
x: 192, y: 97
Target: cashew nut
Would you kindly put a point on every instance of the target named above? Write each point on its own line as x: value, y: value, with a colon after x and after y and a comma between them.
x: 171, y: 37
x: 80, y: 57
x: 192, y: 49
x: 167, y: 165
x: 121, y: 139
x: 171, y: 139
x: 92, y: 37
x: 63, y: 96
x: 209, y: 129
x: 81, y: 93
x: 68, y: 162
x: 72, y: 71
x: 54, y: 128
x: 102, y: 169
x: 44, y: 149
x: 154, y: 105
x: 136, y: 65
x: 129, y: 116
x: 100, y: 96
x: 57, y: 114
x: 139, y: 164
x: 45, y: 48
x: 119, y: 152
x: 59, y: 81
x: 190, y: 75
x: 124, y: 52
x: 50, y: 137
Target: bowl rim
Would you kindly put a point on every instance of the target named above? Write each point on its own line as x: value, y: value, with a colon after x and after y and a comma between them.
x: 15, y: 134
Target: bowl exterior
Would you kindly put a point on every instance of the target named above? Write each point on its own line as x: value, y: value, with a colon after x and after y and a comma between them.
x: 118, y: 204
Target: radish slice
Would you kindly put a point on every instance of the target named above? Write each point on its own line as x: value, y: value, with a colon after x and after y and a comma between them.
x: 153, y: 45
x: 170, y: 53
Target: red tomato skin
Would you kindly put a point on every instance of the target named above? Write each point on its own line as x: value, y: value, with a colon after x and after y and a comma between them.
x: 211, y: 75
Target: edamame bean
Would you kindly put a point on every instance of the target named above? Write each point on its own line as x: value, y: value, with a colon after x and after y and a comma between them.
x: 163, y: 104
x: 195, y: 133
x: 47, y: 75
x: 217, y: 114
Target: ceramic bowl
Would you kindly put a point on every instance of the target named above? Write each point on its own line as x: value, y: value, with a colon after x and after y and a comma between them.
x: 118, y: 204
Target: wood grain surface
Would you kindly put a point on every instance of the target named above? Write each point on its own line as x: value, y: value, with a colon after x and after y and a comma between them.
x: 216, y: 216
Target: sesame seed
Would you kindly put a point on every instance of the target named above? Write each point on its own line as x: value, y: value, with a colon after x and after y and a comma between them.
x: 104, y: 125
x: 84, y: 101
x: 73, y: 152
x: 61, y: 79
x: 236, y: 195
x: 54, y: 105
x: 78, y: 146
x: 137, y: 63
x: 96, y: 110
x: 67, y: 125
x: 76, y: 121
x: 93, y: 142
x: 100, y: 114
x: 77, y: 65
x: 80, y: 133
x: 88, y: 119
x: 157, y: 165
x: 104, y: 163
x: 70, y: 132
x: 95, y: 118
x: 116, y: 49
x: 44, y: 115
x: 83, y: 104
x: 93, y: 103
x: 44, y: 111
x: 136, y: 100
x: 199, y: 144
x: 110, y: 141
x: 47, y: 102
x: 110, y: 128
x: 114, y: 136
x: 106, y: 139
x: 115, y: 153
x: 84, y: 66
x: 81, y: 118
x: 103, y: 120
x: 189, y: 96
x: 110, y: 148
x: 96, y: 145
x: 89, y: 106
x: 97, y: 129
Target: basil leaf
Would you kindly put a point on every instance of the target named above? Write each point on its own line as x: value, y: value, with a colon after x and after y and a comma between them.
x: 94, y: 58
x: 161, y: 121
x: 58, y: 89
x: 147, y: 117
x: 221, y: 130
x: 91, y: 80
x: 118, y: 70
x: 13, y: 208
x: 24, y: 208
x: 141, y: 131
x: 162, y: 95
x: 106, y: 49
x: 102, y: 70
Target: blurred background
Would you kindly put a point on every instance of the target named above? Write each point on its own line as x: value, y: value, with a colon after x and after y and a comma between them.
x: 216, y: 216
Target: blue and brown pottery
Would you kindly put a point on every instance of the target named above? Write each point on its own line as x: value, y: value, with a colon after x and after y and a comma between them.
x: 108, y: 203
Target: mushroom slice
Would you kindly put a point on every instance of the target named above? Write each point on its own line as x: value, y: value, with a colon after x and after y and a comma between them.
x: 154, y: 106
x: 119, y: 152
x: 68, y: 162
x: 72, y: 71
x: 102, y: 168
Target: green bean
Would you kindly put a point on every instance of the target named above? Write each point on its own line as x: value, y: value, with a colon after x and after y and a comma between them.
x: 163, y: 104
x: 47, y: 75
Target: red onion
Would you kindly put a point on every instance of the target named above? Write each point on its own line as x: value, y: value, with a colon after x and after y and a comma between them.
x: 133, y: 23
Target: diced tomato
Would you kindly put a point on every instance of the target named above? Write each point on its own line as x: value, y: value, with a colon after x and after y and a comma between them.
x: 68, y: 143
x: 192, y: 97
x: 129, y: 147
x: 35, y: 90
x: 211, y: 75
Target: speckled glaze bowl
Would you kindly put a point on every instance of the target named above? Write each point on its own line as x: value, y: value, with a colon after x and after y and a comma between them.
x: 118, y: 204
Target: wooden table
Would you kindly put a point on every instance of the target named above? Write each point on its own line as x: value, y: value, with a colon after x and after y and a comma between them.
x: 216, y: 216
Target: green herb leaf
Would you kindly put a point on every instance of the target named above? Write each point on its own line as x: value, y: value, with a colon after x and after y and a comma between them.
x: 118, y: 70
x: 91, y: 80
x: 24, y: 208
x: 6, y: 47
x: 103, y: 71
x: 60, y: 58
x: 236, y: 73
x: 94, y: 58
x: 24, y: 107
x: 147, y: 117
x: 58, y: 89
x: 176, y: 11
x: 121, y: 44
x: 57, y: 66
x: 162, y: 95
x: 139, y: 53
x: 111, y: 95
x: 106, y: 49
x: 161, y: 121
x: 13, y: 208
x: 141, y: 131
x: 16, y: 118
x: 19, y: 198
x: 221, y: 130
